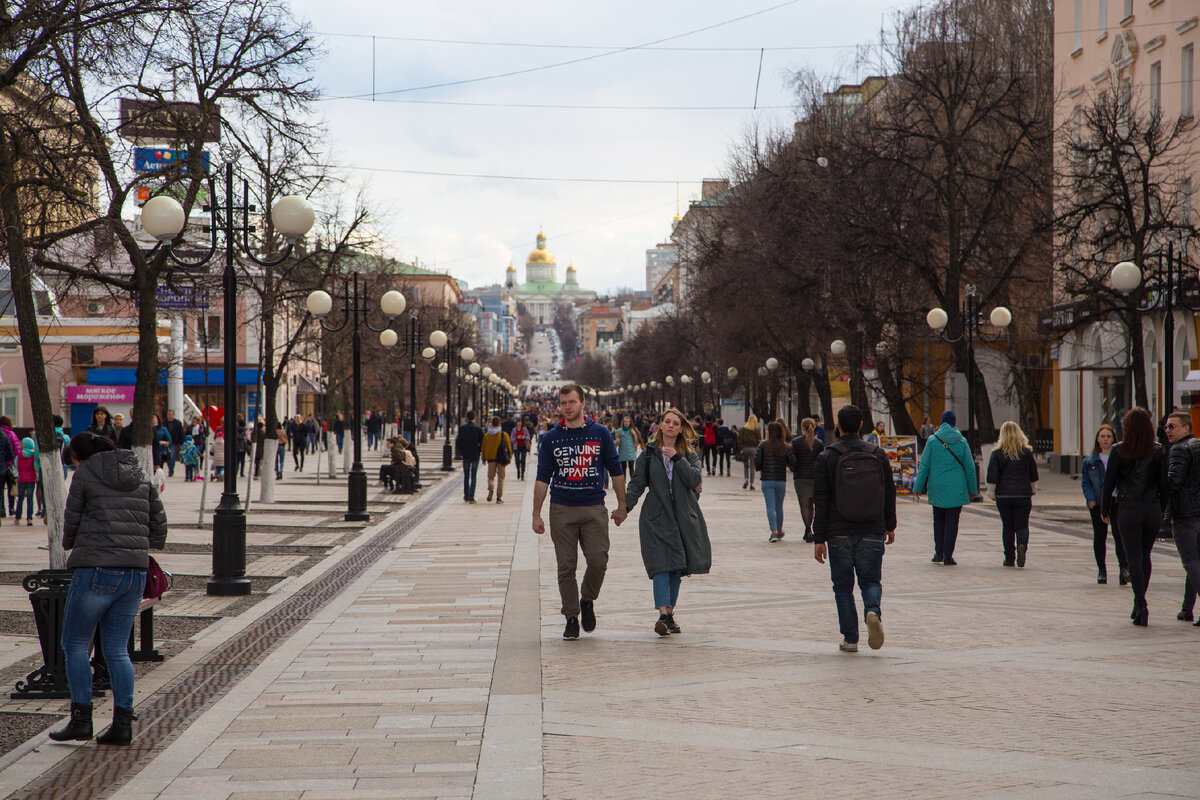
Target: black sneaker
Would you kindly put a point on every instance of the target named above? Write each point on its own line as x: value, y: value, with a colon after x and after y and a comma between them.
x: 587, y: 609
x: 672, y: 626
x: 660, y: 627
x: 571, y: 632
x: 1021, y: 555
x: 949, y: 561
x: 937, y: 558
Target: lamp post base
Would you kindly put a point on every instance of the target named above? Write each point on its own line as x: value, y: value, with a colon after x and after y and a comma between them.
x: 356, y: 508
x: 229, y: 551
x: 447, y: 457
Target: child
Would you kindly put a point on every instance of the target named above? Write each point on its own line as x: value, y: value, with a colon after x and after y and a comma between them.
x: 190, y: 457
x: 26, y: 480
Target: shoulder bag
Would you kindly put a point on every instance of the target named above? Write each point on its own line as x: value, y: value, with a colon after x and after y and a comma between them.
x: 970, y: 492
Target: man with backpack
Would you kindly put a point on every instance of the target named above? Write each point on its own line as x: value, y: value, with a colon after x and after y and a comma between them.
x: 855, y: 516
x: 709, y: 450
x: 726, y: 443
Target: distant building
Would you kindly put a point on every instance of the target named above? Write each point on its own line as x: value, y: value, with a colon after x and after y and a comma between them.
x: 541, y: 293
x: 660, y: 259
x: 601, y: 328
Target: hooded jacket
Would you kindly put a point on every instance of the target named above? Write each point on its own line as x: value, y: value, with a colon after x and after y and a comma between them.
x: 113, y: 514
x: 947, y: 470
x: 671, y: 528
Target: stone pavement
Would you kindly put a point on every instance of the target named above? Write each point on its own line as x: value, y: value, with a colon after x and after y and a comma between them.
x: 433, y: 674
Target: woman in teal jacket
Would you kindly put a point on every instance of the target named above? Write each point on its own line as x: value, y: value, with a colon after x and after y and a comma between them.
x: 947, y: 475
x: 673, y: 535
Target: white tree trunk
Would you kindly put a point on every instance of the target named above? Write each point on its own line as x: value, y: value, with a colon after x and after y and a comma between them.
x: 206, y: 476
x: 250, y: 472
x: 346, y: 448
x: 145, y: 457
x: 54, y: 490
x: 267, y: 493
x: 330, y: 449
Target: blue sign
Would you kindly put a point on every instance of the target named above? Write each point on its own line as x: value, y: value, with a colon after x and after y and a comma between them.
x: 187, y: 298
x: 153, y: 159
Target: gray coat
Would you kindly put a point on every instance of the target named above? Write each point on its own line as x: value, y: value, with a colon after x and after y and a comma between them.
x: 113, y: 514
x: 671, y: 527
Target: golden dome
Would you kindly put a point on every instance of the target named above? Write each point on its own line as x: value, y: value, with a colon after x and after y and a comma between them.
x: 511, y: 268
x: 541, y: 255
x: 571, y: 268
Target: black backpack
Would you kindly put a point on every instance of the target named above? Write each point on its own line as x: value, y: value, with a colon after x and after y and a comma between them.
x: 858, y: 488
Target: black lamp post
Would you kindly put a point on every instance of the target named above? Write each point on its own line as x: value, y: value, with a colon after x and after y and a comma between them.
x: 440, y: 341
x: 411, y: 348
x: 355, y: 309
x: 1162, y: 287
x: 971, y: 328
x: 164, y: 219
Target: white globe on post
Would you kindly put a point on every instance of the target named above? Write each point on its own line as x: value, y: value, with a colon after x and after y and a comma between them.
x: 762, y: 372
x: 772, y: 363
x: 1001, y: 317
x: 937, y: 318
x: 653, y: 385
x: 822, y: 162
x: 443, y: 367
x: 1125, y: 276
x: 388, y: 338
x: 838, y: 348
x: 474, y: 368
x: 428, y: 353
x: 467, y: 353
x: 292, y: 217
x: 807, y: 364
x: 319, y: 303
x: 393, y: 303
x: 163, y: 217
x: 685, y: 379
x: 670, y: 380
x: 487, y: 372
x: 438, y: 339
x: 707, y: 378
x: 731, y: 373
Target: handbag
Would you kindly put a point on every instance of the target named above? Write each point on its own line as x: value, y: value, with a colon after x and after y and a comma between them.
x: 970, y: 491
x: 158, y: 580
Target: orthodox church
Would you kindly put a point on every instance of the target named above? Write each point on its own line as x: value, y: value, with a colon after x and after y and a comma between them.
x: 541, y: 293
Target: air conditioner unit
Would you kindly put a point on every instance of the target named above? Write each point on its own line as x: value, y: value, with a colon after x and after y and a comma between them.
x: 95, y: 307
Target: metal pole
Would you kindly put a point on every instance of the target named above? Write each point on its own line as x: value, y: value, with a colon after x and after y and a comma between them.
x: 229, y: 518
x: 971, y: 322
x: 414, y: 340
x: 356, y: 482
x: 447, y: 452
x: 1169, y: 335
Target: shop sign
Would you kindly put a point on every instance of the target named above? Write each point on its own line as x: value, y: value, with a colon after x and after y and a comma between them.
x: 100, y: 394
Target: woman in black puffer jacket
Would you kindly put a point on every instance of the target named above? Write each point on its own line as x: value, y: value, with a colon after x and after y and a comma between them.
x: 771, y: 461
x: 113, y: 516
x: 803, y: 461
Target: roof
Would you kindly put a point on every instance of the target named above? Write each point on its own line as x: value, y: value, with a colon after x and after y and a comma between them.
x: 547, y: 287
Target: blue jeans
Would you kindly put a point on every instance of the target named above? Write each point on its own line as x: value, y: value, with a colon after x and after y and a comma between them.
x: 469, y: 468
x: 25, y: 497
x: 945, y: 530
x: 341, y: 437
x: 279, y: 454
x: 861, y: 555
x: 172, y: 457
x: 773, y: 492
x: 666, y: 589
x: 107, y: 598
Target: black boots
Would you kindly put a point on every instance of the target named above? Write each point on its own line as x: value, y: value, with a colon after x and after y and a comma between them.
x: 121, y: 730
x: 79, y: 729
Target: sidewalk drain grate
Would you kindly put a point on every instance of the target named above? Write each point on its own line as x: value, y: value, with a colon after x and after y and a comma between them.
x: 97, y: 772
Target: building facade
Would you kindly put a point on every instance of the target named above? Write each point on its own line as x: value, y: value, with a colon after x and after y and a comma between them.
x: 541, y: 294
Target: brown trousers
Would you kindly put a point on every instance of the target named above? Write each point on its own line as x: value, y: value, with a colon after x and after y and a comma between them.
x: 573, y: 528
x: 496, y: 476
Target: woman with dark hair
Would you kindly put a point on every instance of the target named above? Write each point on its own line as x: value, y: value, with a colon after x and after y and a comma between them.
x: 102, y: 424
x: 1135, y: 480
x: 113, y: 516
x: 803, y: 461
x: 1094, y: 467
x: 771, y: 461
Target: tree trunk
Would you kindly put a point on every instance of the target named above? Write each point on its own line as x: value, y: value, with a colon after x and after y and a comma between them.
x: 38, y: 387
x: 266, y: 494
x: 1137, y: 359
x: 893, y: 392
x: 825, y: 394
x: 146, y: 390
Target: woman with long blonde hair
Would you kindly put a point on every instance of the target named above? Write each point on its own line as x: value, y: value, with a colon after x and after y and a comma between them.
x: 748, y: 440
x: 671, y: 528
x: 1012, y: 480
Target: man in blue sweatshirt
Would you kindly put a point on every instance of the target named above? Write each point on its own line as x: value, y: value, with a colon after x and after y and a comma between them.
x: 572, y: 459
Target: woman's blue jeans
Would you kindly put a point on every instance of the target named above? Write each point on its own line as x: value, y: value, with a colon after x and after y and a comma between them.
x: 108, y: 599
x: 666, y: 589
x: 773, y: 492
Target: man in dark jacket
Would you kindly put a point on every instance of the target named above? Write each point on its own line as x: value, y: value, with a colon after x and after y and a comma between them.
x: 1183, y: 501
x: 852, y: 530
x: 176, y: 433
x: 469, y: 443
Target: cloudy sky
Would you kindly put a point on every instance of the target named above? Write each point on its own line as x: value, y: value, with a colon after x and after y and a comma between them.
x: 621, y: 131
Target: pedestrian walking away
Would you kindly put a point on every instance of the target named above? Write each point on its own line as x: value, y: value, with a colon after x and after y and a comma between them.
x: 803, y: 461
x: 522, y: 439
x: 628, y: 442
x: 1092, y: 482
x: 1136, y: 478
x: 1012, y: 478
x: 573, y: 459
x: 497, y: 451
x: 855, y: 498
x: 771, y: 461
x: 469, y: 443
x: 748, y: 440
x: 671, y: 528
x: 1183, y: 502
x: 947, y: 474
x: 113, y: 516
x: 726, y: 442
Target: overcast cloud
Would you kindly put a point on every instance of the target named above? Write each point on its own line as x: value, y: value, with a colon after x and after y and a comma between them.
x: 473, y: 227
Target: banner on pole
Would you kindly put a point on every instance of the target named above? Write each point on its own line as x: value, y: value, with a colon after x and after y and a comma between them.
x: 902, y: 455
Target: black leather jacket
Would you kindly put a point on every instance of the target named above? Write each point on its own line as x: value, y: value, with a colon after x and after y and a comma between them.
x: 1183, y: 478
x: 803, y: 459
x: 1134, y: 479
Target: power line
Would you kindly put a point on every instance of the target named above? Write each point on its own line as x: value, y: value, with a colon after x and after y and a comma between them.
x: 586, y: 58
x: 548, y: 46
x: 568, y: 106
x: 503, y: 177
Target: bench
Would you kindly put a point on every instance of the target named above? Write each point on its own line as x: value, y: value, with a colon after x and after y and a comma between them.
x: 145, y: 650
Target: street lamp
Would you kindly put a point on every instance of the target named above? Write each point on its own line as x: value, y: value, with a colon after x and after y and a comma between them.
x: 164, y: 219
x: 972, y: 329
x: 412, y: 341
x: 355, y: 309
x: 1163, y: 287
x: 439, y: 340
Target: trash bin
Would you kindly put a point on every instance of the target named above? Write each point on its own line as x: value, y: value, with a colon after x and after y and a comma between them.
x: 48, y: 596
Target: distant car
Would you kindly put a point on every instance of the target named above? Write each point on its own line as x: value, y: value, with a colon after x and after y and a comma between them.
x: 534, y: 372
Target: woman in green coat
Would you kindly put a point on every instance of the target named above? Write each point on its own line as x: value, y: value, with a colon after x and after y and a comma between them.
x: 671, y: 528
x: 947, y: 474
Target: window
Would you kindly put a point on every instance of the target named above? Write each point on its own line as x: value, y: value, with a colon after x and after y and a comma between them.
x: 1125, y: 105
x: 209, y: 336
x: 1127, y: 11
x: 1078, y: 25
x: 1102, y: 18
x: 1156, y: 87
x: 10, y: 405
x: 1185, y: 81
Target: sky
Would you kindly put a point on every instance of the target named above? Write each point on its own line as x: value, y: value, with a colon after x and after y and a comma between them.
x: 608, y: 175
